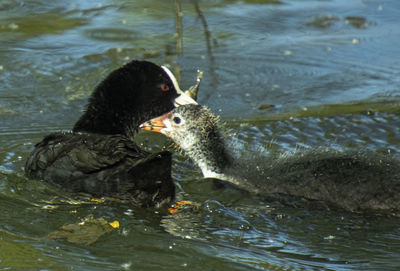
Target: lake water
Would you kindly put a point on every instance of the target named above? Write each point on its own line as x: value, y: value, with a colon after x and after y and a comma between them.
x: 285, y: 76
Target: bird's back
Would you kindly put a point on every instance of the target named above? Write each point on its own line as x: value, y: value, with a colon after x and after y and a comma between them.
x: 361, y: 181
x: 104, y: 166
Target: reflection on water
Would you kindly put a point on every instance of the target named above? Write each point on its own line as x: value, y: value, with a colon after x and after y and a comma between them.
x: 284, y: 76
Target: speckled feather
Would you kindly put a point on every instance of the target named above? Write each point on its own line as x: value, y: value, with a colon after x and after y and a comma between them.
x: 358, y: 182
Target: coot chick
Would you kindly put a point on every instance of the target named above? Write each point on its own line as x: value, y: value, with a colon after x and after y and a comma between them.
x: 357, y: 182
x: 99, y: 156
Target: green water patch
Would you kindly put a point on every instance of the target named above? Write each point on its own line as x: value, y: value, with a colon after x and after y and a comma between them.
x: 367, y: 108
x: 17, y: 254
x: 260, y: 2
x: 326, y: 21
x: 323, y: 21
x: 111, y: 34
x: 40, y: 24
x: 357, y: 21
x: 265, y: 2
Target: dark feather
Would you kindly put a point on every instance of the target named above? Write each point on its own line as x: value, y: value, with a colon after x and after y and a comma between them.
x: 102, y: 165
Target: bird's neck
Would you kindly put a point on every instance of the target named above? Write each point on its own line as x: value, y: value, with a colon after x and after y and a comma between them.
x: 211, y: 156
x: 215, y: 161
x: 103, y: 119
x: 111, y: 108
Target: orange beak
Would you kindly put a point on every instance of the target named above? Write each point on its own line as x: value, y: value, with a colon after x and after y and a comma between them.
x: 155, y: 125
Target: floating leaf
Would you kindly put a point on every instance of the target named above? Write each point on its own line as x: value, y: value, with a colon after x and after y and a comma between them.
x: 86, y: 231
x: 114, y: 224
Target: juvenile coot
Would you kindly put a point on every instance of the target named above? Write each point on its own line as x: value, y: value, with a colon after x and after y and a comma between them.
x: 358, y: 182
x: 99, y: 156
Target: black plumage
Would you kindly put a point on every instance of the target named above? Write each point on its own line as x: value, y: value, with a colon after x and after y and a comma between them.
x: 99, y: 156
x: 127, y: 97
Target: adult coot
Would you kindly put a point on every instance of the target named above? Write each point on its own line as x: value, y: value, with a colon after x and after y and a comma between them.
x: 358, y: 182
x: 99, y: 156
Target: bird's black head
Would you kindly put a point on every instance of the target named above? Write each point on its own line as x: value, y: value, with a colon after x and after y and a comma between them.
x: 130, y: 95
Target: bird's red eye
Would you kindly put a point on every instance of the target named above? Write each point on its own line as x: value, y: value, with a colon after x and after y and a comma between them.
x: 164, y: 87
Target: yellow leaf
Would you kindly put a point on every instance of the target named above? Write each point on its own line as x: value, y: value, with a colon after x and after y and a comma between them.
x: 114, y: 224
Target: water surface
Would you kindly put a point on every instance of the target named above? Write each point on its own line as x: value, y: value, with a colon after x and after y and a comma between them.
x: 285, y: 76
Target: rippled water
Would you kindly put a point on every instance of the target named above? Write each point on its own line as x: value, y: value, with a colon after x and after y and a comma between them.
x: 284, y: 75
